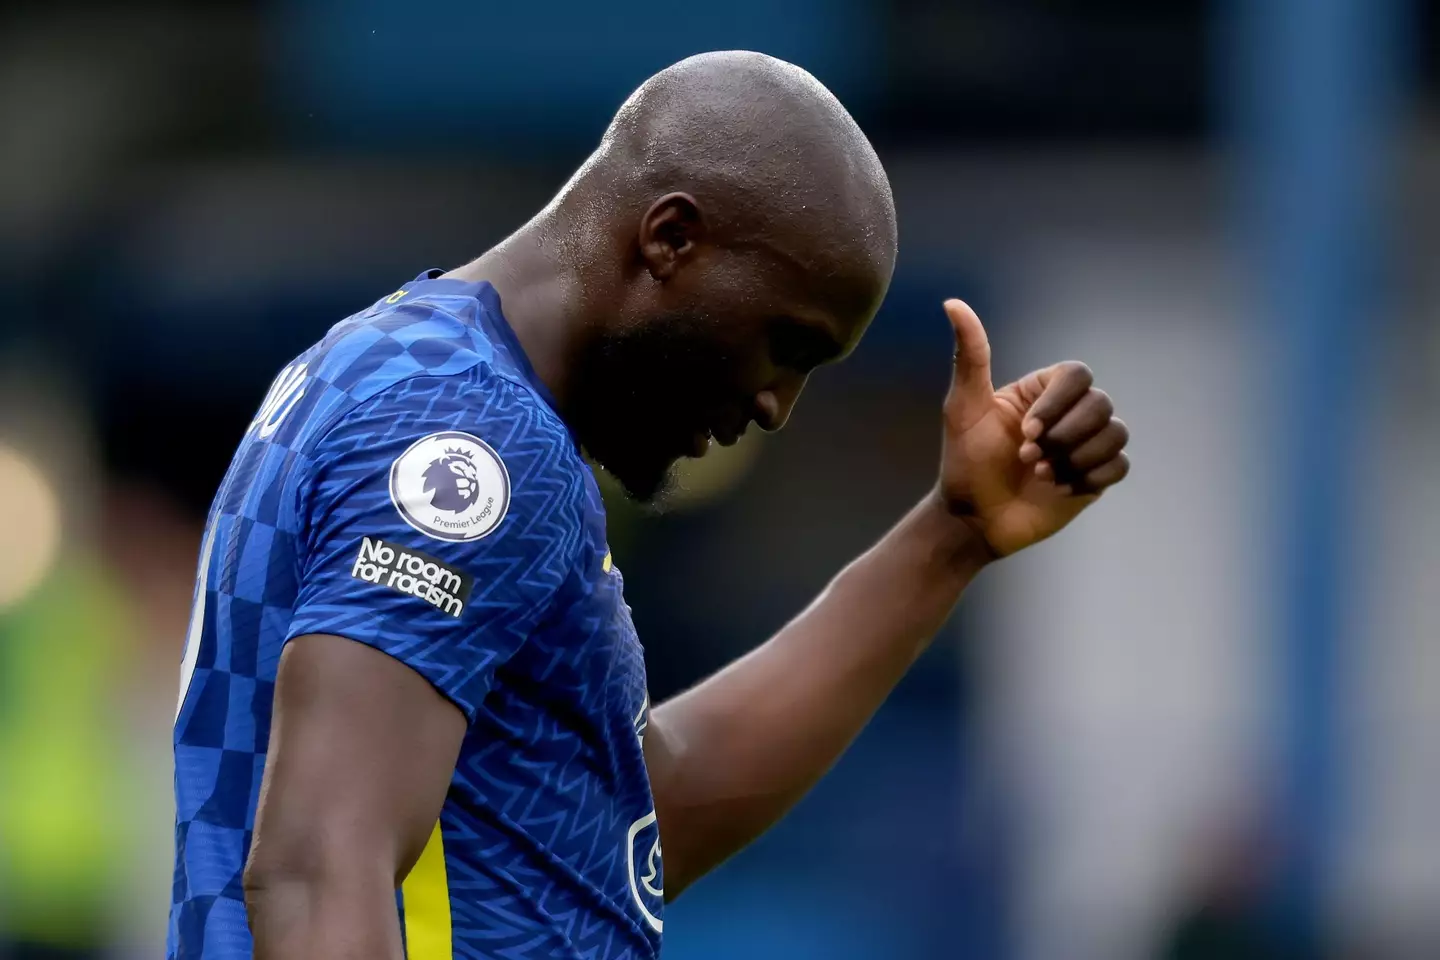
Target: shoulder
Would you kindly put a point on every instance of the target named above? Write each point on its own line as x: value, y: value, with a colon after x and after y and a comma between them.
x: 482, y: 399
x: 427, y: 358
x: 459, y: 457
x: 370, y: 352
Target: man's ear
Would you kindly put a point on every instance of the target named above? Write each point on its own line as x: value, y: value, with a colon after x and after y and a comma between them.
x: 669, y: 232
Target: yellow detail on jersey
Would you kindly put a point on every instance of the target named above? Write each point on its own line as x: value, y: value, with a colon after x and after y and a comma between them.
x: 394, y: 297
x: 426, y: 894
x: 605, y: 564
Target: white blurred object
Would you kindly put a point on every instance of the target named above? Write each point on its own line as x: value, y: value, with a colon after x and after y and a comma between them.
x: 1125, y: 671
x: 1133, y: 673
x: 29, y: 526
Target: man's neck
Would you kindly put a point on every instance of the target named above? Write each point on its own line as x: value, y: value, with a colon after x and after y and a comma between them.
x: 540, y: 296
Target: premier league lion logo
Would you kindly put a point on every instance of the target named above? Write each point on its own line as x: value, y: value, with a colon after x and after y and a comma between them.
x: 452, y: 481
x: 450, y: 486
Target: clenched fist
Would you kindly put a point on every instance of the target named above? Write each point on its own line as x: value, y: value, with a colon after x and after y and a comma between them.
x: 1021, y: 462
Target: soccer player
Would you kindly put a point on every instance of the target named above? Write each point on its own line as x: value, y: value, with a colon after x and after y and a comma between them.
x: 413, y: 718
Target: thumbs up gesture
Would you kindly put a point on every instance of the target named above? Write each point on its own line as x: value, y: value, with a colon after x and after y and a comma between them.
x: 1021, y: 462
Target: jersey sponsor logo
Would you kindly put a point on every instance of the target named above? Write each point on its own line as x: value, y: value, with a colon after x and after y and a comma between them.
x: 643, y: 857
x: 450, y: 486
x: 413, y: 572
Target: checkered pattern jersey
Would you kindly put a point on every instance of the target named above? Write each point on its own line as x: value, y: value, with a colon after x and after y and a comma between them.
x: 546, y: 846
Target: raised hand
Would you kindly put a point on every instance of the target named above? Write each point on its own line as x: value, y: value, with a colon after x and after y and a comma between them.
x: 1021, y: 462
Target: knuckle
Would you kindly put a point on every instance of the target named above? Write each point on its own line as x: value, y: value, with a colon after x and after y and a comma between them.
x: 1081, y: 370
x: 1110, y: 472
x: 1113, y: 448
x: 1102, y: 401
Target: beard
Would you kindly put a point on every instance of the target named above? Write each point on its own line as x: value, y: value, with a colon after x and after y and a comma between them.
x: 641, y: 400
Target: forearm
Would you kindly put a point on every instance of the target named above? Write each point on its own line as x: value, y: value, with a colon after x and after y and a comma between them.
x: 346, y: 916
x: 741, y: 748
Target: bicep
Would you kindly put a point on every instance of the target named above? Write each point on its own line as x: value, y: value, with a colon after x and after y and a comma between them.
x: 662, y: 765
x: 362, y: 749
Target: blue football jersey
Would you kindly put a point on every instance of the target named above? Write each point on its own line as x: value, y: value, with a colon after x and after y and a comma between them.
x: 407, y: 484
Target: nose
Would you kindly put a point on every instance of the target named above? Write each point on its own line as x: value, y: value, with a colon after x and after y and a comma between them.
x: 773, y: 405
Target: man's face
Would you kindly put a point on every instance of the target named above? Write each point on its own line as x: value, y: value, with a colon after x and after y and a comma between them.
x: 727, y: 341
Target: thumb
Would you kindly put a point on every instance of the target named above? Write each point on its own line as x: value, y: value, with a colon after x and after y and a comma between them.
x: 972, y: 354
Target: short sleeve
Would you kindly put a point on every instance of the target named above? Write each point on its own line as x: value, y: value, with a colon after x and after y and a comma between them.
x: 439, y: 520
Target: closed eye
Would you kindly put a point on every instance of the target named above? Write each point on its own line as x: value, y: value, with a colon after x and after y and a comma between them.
x: 800, y: 346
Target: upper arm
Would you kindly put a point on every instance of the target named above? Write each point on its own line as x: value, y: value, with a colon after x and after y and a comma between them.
x: 662, y: 755
x: 437, y: 523
x: 697, y: 812
x: 361, y: 753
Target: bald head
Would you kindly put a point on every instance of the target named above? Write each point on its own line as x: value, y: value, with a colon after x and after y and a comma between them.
x: 733, y: 232
x: 767, y: 151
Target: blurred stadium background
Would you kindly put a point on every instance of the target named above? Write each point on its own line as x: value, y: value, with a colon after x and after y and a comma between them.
x: 1202, y: 724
